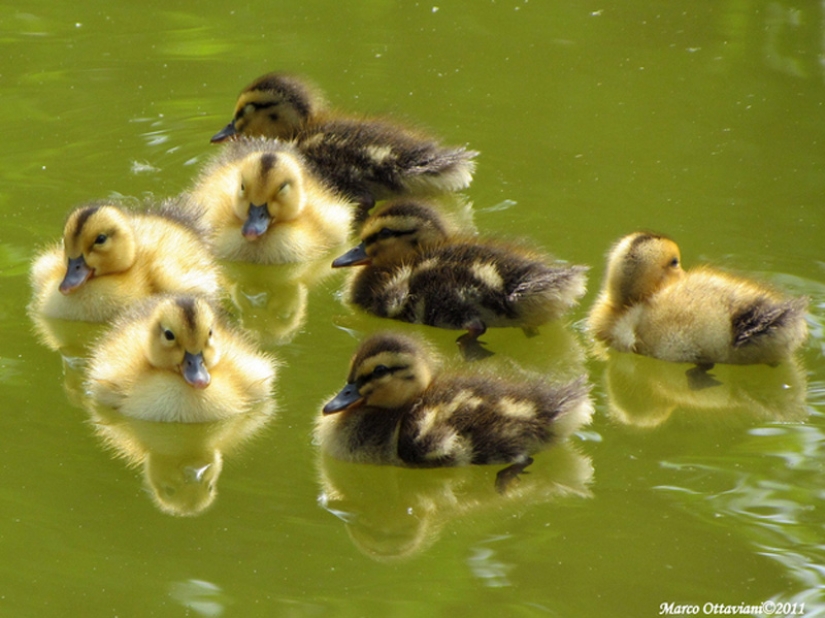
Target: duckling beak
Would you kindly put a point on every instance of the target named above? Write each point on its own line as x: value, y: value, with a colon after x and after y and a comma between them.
x: 257, y: 222
x: 77, y: 273
x: 194, y: 371
x: 354, y: 257
x: 224, y: 134
x: 348, y: 398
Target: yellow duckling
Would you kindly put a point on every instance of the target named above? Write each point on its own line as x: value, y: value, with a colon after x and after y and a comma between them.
x: 111, y: 257
x: 416, y: 271
x: 650, y: 306
x: 264, y: 204
x: 366, y: 159
x: 398, y: 408
x: 174, y: 358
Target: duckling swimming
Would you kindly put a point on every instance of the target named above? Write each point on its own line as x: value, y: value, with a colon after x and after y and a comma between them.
x: 175, y: 358
x: 650, y: 306
x: 416, y: 271
x: 111, y: 257
x: 366, y: 159
x: 398, y: 408
x: 264, y: 204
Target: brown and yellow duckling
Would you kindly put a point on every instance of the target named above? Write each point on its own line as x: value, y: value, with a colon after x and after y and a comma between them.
x: 398, y: 408
x: 367, y: 159
x: 650, y: 306
x: 175, y: 358
x: 416, y: 271
x: 111, y: 257
x: 264, y: 204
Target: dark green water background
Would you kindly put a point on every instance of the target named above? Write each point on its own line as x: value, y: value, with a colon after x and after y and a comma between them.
x: 704, y: 120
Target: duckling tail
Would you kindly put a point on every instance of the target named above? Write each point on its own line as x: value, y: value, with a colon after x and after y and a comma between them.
x: 766, y: 315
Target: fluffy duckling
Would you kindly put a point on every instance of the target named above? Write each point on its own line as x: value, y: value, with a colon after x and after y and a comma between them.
x: 398, y: 409
x: 366, y: 159
x: 111, y: 257
x: 650, y: 306
x: 174, y: 358
x: 264, y: 204
x: 416, y: 271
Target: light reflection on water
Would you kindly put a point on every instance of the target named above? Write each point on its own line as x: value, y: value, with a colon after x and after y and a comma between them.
x: 775, y: 512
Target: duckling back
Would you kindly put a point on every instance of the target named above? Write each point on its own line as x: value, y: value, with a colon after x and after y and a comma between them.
x: 456, y: 285
x: 710, y: 317
x: 483, y: 419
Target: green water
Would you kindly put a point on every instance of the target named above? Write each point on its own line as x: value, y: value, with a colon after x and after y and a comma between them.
x: 704, y: 120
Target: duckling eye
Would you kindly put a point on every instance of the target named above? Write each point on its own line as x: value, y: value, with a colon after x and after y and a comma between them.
x: 674, y: 262
x: 101, y: 238
x: 210, y: 333
x: 385, y: 233
x: 284, y: 186
x: 380, y: 371
x: 169, y: 335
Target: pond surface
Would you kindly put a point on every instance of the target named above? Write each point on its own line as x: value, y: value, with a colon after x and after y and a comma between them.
x: 703, y: 120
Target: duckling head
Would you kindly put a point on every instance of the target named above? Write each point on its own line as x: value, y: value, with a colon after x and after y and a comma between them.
x: 274, y: 105
x: 271, y: 191
x: 388, y: 371
x: 395, y: 232
x: 182, y: 339
x: 639, y: 265
x: 97, y: 240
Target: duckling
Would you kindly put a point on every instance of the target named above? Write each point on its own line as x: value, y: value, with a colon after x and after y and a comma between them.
x: 110, y: 257
x: 175, y: 358
x: 398, y: 408
x: 264, y: 204
x: 651, y: 306
x: 418, y: 271
x: 364, y: 158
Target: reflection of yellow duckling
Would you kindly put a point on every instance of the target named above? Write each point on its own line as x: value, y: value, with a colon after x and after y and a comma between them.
x: 263, y: 204
x: 112, y: 257
x: 175, y: 358
x: 366, y: 159
x: 393, y: 514
x: 416, y: 271
x: 395, y: 409
x: 650, y: 306
x: 181, y: 462
x: 644, y: 392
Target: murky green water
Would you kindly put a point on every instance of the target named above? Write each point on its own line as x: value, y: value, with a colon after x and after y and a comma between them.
x: 704, y: 120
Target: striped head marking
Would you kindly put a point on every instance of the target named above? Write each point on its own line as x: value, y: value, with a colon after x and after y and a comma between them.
x: 401, y: 229
x: 390, y: 371
x: 276, y: 106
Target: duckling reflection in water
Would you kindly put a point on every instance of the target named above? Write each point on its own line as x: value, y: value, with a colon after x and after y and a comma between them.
x: 181, y: 462
x: 416, y: 271
x: 112, y: 257
x: 175, y: 358
x: 393, y: 514
x: 398, y: 409
x: 363, y: 158
x: 647, y: 393
x: 264, y: 204
x: 650, y: 306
